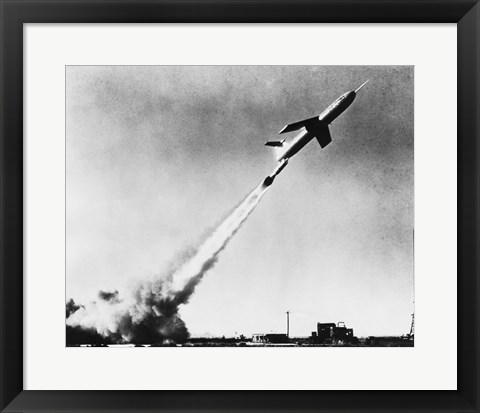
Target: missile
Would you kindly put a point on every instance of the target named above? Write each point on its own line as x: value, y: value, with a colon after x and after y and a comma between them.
x: 317, y: 127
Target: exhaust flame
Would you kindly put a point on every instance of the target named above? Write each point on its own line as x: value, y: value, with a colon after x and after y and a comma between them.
x: 150, y: 314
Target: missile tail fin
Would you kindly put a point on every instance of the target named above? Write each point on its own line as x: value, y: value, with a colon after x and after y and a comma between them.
x: 275, y: 143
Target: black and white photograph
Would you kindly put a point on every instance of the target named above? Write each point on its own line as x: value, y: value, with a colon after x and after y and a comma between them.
x: 239, y: 206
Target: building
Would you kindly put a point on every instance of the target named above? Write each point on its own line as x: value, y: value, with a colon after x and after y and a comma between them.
x: 331, y: 333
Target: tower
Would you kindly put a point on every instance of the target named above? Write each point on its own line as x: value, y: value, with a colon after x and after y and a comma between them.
x: 412, y: 327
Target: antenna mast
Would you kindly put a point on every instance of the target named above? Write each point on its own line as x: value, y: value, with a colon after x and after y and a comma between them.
x: 412, y: 327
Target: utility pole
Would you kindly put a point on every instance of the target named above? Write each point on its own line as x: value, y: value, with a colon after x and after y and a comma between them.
x: 288, y: 323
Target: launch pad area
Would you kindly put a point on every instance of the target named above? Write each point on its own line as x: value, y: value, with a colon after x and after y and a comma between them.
x: 326, y: 335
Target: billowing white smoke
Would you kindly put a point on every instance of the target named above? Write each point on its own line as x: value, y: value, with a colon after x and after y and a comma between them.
x: 150, y: 313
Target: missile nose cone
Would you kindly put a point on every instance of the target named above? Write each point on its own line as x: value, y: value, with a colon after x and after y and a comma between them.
x: 362, y: 85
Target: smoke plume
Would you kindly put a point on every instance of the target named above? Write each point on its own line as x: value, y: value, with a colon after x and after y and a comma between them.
x: 149, y: 314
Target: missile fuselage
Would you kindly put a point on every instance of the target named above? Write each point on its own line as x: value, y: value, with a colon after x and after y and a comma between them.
x: 326, y: 118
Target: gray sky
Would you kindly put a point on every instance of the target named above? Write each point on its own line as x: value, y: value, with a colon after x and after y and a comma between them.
x: 157, y: 155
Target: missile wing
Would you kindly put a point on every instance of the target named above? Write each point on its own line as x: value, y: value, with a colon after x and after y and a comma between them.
x: 318, y: 130
x: 299, y: 125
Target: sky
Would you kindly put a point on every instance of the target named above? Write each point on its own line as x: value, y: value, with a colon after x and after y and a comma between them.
x: 157, y: 155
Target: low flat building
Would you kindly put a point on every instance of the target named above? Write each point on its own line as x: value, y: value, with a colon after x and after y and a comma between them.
x: 270, y: 338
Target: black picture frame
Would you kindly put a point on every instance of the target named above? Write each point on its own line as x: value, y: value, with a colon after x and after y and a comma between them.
x: 14, y: 13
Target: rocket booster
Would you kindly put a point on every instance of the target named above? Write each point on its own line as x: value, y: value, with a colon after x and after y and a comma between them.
x: 269, y: 179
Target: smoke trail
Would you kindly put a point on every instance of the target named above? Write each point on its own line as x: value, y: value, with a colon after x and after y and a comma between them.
x: 194, y: 269
x: 150, y: 313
